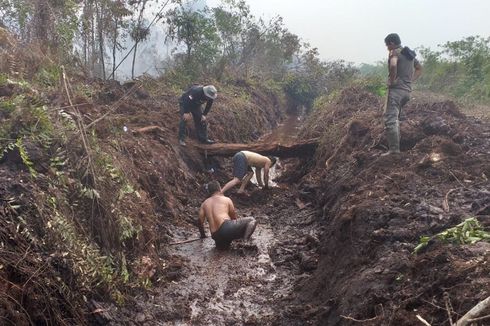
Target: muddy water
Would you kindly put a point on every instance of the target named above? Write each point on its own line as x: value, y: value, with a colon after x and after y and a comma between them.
x: 285, y: 133
x: 231, y: 278
x: 241, y: 285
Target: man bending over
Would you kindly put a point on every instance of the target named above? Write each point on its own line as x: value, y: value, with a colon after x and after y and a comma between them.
x: 242, y: 169
x: 222, y: 218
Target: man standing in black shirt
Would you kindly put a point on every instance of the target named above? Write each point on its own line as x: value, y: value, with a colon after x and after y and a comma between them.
x: 191, y: 103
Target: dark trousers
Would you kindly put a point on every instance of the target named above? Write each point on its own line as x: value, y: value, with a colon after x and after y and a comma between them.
x: 201, y: 127
x: 397, y: 98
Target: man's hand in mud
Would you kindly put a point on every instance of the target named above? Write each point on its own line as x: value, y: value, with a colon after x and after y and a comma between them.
x: 203, y: 119
x: 187, y: 117
x: 243, y: 193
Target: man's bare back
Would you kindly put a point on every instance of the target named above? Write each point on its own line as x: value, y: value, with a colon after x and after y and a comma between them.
x: 217, y: 209
x: 222, y: 218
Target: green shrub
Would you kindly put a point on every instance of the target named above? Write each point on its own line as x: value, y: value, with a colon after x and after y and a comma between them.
x: 468, y: 232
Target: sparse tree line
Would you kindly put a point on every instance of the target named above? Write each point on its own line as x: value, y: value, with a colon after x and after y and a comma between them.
x: 208, y: 40
x: 223, y: 41
x: 220, y: 42
x: 460, y: 68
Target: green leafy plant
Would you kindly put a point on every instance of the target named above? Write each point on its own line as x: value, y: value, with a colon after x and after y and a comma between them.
x: 8, y: 105
x: 127, y: 228
x: 468, y: 232
x: 49, y: 76
x: 25, y: 157
x: 94, y: 268
x: 3, y: 79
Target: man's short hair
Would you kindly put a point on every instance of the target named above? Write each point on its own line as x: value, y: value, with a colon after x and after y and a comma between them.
x: 213, y: 187
x: 273, y: 160
x: 393, y: 38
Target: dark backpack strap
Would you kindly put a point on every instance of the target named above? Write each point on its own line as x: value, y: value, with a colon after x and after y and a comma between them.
x: 408, y: 53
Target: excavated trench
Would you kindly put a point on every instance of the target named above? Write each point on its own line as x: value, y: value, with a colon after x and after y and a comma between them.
x: 250, y: 282
x: 247, y: 283
x: 334, y: 243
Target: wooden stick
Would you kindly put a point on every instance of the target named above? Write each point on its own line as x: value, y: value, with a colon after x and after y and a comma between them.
x: 479, y: 318
x: 148, y: 129
x: 358, y: 320
x: 303, y: 148
x: 447, y: 302
x: 184, y: 241
x: 445, y: 202
x: 425, y: 322
x: 474, y: 312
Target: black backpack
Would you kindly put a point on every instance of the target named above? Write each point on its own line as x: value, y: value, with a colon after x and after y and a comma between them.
x: 408, y: 53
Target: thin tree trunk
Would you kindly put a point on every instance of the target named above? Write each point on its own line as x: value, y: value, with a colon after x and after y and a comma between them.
x: 134, y: 59
x: 92, y: 36
x: 114, y: 48
x: 137, y: 40
x: 100, y: 30
x: 84, y: 35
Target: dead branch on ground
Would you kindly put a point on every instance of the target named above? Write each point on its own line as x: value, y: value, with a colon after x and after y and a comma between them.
x: 474, y: 312
x: 445, y: 202
x: 149, y: 129
x: 425, y: 322
x: 358, y: 320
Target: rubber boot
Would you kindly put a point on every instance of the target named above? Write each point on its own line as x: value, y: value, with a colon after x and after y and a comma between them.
x: 393, y: 137
x: 202, y: 132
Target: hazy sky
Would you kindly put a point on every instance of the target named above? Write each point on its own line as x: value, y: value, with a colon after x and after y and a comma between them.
x: 354, y: 30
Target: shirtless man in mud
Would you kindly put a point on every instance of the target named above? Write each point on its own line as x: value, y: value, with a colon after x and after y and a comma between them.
x: 222, y: 218
x: 242, y: 170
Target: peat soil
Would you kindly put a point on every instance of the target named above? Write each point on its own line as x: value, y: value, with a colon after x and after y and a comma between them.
x: 335, y: 241
x: 375, y: 209
x: 335, y: 236
x: 246, y: 284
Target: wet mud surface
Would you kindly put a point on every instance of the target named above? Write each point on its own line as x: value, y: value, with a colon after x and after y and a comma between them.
x: 335, y: 240
x: 247, y: 284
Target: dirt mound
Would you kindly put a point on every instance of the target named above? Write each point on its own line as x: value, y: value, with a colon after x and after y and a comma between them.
x: 88, y: 204
x: 32, y: 280
x: 375, y: 209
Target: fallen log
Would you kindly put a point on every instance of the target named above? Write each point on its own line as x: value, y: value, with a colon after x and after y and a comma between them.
x: 299, y: 149
x: 146, y: 130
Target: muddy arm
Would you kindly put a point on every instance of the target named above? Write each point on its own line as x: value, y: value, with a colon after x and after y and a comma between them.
x: 418, y: 70
x: 258, y: 176
x: 266, y: 176
x: 392, y: 70
x: 200, y: 222
x: 231, y: 210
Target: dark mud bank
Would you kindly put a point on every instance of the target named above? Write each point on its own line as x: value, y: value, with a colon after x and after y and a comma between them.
x: 375, y: 209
